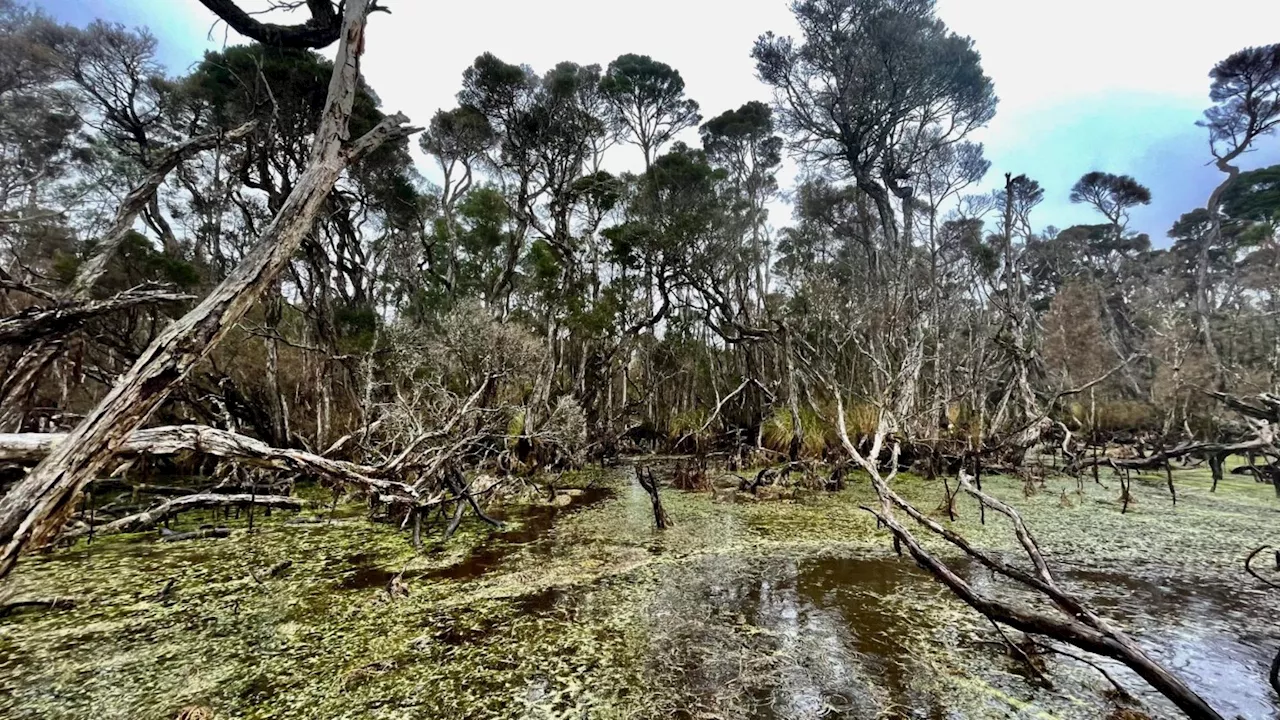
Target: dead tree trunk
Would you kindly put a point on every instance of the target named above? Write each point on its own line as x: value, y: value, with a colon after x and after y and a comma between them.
x: 35, y: 509
x: 218, y: 532
x: 176, y: 439
x: 645, y: 477
x: 159, y: 513
x: 1081, y: 627
x: 9, y: 607
x: 37, y: 323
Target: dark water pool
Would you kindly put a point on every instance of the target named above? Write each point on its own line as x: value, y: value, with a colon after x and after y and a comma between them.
x: 851, y: 637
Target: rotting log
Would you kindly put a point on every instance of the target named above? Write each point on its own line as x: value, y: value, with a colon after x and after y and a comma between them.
x: 202, y: 533
x: 36, y: 508
x: 1080, y: 625
x: 10, y: 607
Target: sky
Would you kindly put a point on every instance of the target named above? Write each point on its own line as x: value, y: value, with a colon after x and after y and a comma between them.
x: 1111, y: 85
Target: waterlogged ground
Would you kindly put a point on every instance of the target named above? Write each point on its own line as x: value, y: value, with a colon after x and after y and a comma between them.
x: 786, y: 608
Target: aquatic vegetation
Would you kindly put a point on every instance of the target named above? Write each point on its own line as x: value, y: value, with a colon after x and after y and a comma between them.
x: 745, y: 609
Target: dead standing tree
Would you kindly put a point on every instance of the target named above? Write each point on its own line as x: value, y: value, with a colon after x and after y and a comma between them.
x: 34, y: 510
x: 644, y: 476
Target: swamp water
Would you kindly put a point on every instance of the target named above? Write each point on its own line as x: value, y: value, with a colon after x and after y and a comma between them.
x: 777, y: 609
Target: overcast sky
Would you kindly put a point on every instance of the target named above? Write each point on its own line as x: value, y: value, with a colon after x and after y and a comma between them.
x: 1114, y: 85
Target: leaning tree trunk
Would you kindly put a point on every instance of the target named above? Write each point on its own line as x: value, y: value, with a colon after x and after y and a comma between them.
x: 35, y: 509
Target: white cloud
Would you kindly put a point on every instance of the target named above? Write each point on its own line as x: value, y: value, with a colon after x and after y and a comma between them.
x: 1043, y: 52
x: 1061, y: 69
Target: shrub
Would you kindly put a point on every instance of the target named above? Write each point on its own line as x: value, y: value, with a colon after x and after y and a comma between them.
x: 688, y: 425
x: 777, y: 432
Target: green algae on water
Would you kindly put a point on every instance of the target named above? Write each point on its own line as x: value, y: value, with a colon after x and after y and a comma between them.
x: 794, y: 608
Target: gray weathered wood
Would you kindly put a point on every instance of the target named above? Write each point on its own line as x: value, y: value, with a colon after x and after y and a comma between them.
x: 156, y: 515
x: 36, y: 323
x: 177, y: 439
x: 1077, y: 624
x: 36, y: 508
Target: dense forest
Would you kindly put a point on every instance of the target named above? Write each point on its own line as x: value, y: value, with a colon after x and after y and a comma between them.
x: 241, y: 275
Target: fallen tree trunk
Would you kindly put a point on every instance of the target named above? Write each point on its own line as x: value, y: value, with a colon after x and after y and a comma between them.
x: 1086, y: 630
x: 202, y: 439
x: 35, y: 510
x: 1263, y: 406
x: 10, y: 607
x: 1156, y: 461
x: 220, y: 532
x: 158, y: 514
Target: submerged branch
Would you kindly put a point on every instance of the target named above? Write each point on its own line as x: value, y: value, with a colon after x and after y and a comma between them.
x: 158, y: 514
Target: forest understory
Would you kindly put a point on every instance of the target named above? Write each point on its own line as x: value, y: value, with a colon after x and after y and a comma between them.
x: 309, y: 411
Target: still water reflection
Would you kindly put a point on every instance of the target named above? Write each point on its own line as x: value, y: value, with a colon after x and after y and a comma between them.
x: 851, y: 637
